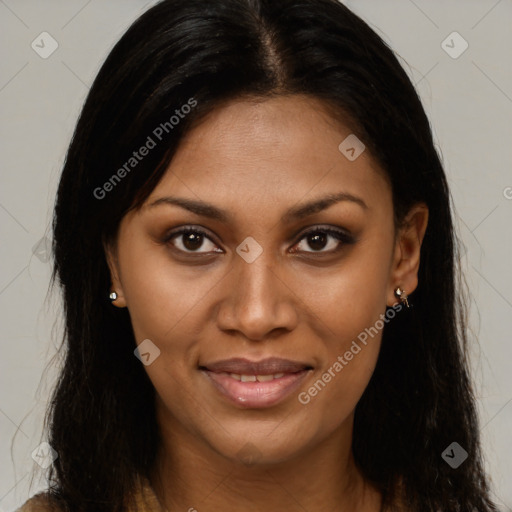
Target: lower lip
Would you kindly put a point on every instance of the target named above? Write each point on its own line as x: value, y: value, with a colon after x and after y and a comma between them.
x: 256, y: 395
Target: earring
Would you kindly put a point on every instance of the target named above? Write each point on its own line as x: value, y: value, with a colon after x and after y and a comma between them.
x: 400, y: 294
x: 113, y: 296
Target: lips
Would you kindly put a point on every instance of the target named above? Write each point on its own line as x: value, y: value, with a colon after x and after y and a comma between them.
x: 269, y: 366
x: 255, y: 384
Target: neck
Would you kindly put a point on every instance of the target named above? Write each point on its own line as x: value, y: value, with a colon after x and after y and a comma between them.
x: 190, y: 475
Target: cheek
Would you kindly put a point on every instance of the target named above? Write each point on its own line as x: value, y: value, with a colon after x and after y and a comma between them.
x: 352, y: 308
x: 161, y: 297
x: 351, y: 297
x: 347, y: 366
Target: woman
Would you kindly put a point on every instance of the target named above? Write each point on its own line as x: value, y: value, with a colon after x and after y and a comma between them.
x: 254, y: 239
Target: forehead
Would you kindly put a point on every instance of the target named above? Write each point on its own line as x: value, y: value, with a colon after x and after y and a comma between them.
x: 276, y: 151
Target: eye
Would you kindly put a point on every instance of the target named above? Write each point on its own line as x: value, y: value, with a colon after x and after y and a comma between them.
x: 318, y: 239
x: 189, y: 240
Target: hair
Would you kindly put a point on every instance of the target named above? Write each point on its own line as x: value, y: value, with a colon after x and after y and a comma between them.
x: 101, y: 419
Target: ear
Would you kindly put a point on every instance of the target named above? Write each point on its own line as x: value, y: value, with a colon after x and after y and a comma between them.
x: 113, y: 265
x: 406, y: 260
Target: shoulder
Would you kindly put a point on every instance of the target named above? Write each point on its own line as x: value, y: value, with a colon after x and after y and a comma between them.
x: 144, y: 499
x: 39, y: 503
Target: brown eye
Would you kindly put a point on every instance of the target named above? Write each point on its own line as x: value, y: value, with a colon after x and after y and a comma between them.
x: 320, y: 238
x: 317, y: 241
x: 192, y: 241
x: 189, y: 240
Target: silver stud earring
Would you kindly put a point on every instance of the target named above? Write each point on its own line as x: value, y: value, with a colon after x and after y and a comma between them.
x: 402, y: 296
x: 113, y: 296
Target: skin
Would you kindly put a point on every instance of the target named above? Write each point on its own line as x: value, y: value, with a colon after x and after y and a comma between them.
x: 256, y: 159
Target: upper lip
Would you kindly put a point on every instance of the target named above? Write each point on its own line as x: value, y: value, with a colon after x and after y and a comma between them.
x: 269, y: 366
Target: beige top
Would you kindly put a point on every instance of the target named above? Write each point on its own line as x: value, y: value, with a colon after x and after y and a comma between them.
x: 145, y: 499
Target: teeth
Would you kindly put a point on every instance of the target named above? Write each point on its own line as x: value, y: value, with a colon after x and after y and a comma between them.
x: 264, y: 378
x: 254, y: 378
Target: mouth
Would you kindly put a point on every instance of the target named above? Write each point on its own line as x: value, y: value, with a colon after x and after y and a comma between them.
x: 255, y: 385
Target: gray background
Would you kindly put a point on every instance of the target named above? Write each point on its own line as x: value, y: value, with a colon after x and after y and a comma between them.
x: 468, y: 100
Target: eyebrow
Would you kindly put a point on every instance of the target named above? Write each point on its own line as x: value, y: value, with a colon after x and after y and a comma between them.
x: 299, y: 212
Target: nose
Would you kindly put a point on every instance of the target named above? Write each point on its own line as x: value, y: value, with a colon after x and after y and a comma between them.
x: 258, y: 302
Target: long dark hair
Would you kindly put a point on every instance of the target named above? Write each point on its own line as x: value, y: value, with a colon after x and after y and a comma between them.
x: 101, y: 419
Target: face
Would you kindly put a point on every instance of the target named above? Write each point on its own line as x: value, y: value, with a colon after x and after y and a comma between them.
x: 259, y: 309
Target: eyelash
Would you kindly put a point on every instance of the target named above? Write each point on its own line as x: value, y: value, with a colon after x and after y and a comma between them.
x: 341, y: 236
